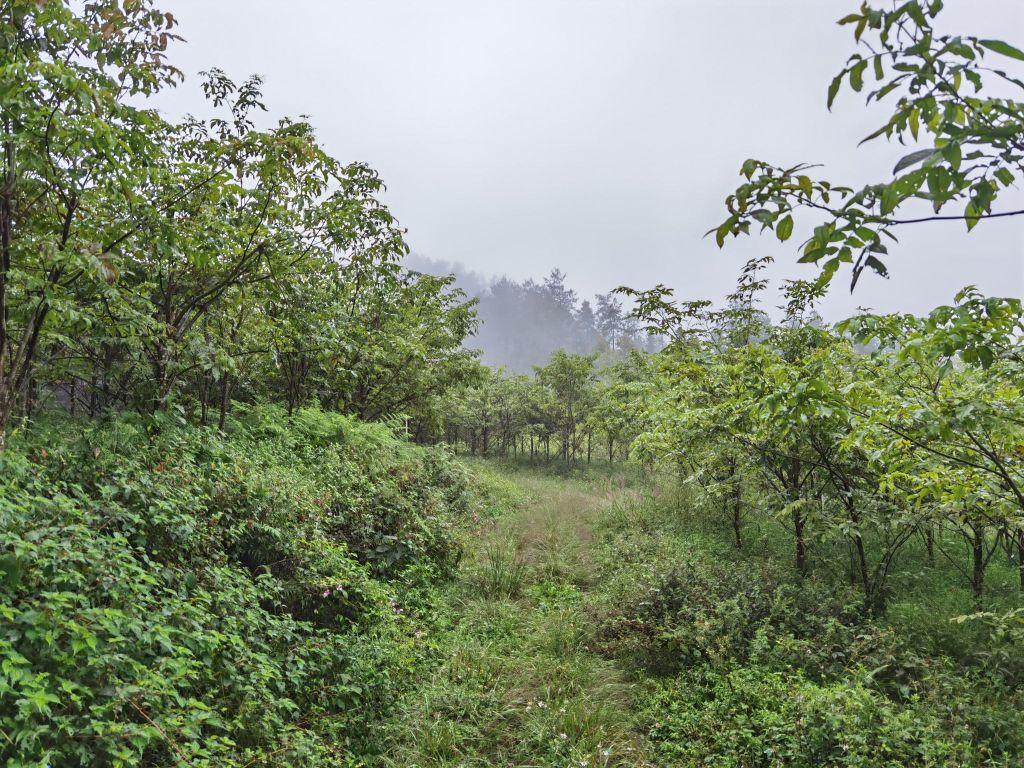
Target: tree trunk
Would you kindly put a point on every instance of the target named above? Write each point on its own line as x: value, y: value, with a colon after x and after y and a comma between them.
x: 225, y: 402
x: 1020, y: 557
x: 862, y: 563
x: 978, y: 560
x: 737, y: 511
x: 6, y: 222
x: 793, y: 496
x: 204, y: 400
x: 801, y: 543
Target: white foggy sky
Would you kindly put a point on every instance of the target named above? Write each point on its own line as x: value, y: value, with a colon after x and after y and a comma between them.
x: 597, y: 136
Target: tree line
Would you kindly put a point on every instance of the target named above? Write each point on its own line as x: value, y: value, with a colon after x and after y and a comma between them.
x: 864, y: 439
x: 171, y: 267
x: 570, y: 410
x: 857, y: 453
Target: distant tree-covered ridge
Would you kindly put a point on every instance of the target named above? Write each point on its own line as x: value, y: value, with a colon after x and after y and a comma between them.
x: 521, y: 324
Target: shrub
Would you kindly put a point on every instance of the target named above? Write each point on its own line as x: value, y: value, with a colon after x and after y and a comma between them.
x: 179, y: 597
x: 705, y: 612
x: 747, y: 716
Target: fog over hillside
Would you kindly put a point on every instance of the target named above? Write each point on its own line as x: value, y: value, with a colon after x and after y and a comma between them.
x: 522, y: 323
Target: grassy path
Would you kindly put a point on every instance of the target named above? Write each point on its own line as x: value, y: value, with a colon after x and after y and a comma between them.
x: 519, y: 686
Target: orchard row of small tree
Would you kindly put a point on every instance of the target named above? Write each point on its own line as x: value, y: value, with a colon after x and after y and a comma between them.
x: 569, y: 411
x: 857, y: 453
x: 170, y: 267
x: 885, y: 429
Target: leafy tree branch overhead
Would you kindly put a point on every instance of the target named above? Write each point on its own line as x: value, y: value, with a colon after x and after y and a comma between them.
x: 970, y: 143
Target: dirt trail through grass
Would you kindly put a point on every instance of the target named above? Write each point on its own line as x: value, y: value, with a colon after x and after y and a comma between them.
x: 519, y: 685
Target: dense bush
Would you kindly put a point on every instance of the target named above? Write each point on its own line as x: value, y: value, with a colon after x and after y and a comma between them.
x: 752, y: 665
x: 708, y: 611
x: 751, y: 716
x: 172, y: 596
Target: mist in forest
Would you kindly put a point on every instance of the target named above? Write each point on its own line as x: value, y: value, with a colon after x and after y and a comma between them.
x: 521, y: 323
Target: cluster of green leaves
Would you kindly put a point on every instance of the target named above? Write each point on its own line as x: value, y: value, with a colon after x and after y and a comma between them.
x: 188, y: 598
x: 151, y: 265
x: 973, y: 142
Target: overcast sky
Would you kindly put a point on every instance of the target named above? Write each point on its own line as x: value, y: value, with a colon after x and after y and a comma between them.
x: 597, y: 136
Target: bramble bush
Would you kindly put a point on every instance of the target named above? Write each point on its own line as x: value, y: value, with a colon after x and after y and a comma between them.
x: 172, y: 596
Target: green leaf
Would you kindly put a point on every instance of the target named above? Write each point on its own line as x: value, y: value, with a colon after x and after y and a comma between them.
x: 889, y: 200
x: 724, y: 230
x: 913, y: 159
x: 972, y: 214
x: 1002, y: 48
x: 953, y: 155
x: 10, y: 571
x: 857, y: 76
x: 876, y: 265
x: 784, y: 228
x: 833, y: 89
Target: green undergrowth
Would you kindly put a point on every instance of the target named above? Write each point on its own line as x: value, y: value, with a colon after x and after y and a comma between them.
x: 174, y: 597
x: 744, y: 664
x: 600, y: 622
x: 316, y: 591
x: 518, y: 683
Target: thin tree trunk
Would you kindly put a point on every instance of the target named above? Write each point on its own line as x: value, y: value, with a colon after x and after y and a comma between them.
x: 978, y: 560
x: 801, y: 543
x: 737, y: 511
x: 225, y: 402
x: 204, y: 400
x: 1020, y: 557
